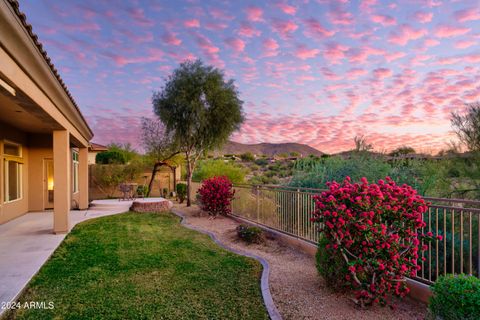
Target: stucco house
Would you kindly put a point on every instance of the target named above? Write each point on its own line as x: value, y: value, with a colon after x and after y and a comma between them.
x: 44, y: 138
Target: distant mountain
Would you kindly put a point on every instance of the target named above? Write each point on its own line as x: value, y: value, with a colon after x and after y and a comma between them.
x: 269, y: 149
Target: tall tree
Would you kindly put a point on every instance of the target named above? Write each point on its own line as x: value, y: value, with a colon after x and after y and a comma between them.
x: 159, y: 147
x: 467, y: 126
x: 199, y: 109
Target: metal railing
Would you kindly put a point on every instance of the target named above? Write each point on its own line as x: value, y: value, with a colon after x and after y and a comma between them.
x: 289, y: 210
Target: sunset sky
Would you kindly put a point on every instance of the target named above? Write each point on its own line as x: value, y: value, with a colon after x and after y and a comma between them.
x: 315, y: 71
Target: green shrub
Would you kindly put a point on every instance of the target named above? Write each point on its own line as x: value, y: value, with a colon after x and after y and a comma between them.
x: 142, y: 190
x: 456, y: 297
x: 247, y: 157
x: 330, y: 266
x: 181, y: 192
x: 261, y: 162
x: 250, y: 234
x: 215, y: 168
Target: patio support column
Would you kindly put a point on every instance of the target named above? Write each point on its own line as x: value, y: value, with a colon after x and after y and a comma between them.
x: 61, y: 179
x: 83, y: 178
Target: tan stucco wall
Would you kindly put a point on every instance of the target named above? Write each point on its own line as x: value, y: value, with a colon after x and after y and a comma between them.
x: 18, y: 207
x: 40, y: 147
x: 36, y: 148
x: 92, y: 155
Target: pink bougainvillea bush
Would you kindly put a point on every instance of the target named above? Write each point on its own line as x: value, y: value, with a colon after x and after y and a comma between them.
x: 216, y: 195
x: 374, y: 229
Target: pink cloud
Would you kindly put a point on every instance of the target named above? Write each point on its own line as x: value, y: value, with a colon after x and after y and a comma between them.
x: 334, y: 52
x: 339, y: 16
x: 384, y: 20
x: 236, y: 44
x: 303, y: 52
x: 139, y: 17
x: 270, y: 47
x: 205, y: 44
x: 470, y: 14
x: 192, y: 23
x: 392, y: 56
x: 287, y: 9
x: 284, y: 27
x: 382, y: 73
x: 215, y: 26
x: 254, y: 14
x: 247, y: 30
x: 406, y: 33
x: 448, y: 31
x: 171, y: 39
x: 423, y: 17
x: 360, y: 55
x: 221, y: 14
x: 431, y: 42
x: 316, y: 30
x: 152, y: 55
x: 355, y: 73
x: 463, y: 44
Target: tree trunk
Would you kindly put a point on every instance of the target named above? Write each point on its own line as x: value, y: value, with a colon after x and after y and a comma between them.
x: 154, y: 172
x: 189, y: 181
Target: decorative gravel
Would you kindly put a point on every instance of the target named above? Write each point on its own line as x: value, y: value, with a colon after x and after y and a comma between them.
x: 297, y: 289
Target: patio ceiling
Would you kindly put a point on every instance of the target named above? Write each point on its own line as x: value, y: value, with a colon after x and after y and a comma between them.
x: 21, y: 112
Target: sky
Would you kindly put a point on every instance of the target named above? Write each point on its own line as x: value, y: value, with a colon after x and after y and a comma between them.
x: 311, y: 71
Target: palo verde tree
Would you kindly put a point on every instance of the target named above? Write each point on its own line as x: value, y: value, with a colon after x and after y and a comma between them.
x: 159, y: 147
x: 200, y: 109
x: 467, y: 126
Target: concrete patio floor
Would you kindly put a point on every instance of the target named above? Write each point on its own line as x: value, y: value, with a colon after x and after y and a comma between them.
x: 27, y: 242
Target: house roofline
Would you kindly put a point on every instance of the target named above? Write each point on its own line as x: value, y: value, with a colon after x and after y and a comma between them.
x: 23, y: 18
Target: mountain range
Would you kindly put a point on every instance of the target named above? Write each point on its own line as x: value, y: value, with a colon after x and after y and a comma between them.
x: 269, y: 149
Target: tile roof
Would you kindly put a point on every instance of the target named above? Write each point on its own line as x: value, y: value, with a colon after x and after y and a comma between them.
x: 23, y: 18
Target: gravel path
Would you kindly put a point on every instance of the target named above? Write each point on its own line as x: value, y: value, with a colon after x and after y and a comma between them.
x: 296, y: 288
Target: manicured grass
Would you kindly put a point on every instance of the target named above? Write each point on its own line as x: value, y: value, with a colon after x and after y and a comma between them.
x: 144, y: 266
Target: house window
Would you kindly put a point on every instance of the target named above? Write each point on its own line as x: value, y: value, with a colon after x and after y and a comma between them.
x: 13, y: 163
x: 75, y: 171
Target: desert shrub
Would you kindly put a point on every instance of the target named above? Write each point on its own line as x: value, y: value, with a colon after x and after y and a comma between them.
x: 314, y: 173
x: 330, y: 266
x: 373, y: 228
x: 215, y: 195
x: 247, y: 157
x: 261, y: 162
x: 214, y: 168
x: 455, y: 297
x: 181, y: 192
x: 250, y: 234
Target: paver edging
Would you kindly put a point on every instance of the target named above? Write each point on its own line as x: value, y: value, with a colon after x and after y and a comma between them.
x: 266, y: 295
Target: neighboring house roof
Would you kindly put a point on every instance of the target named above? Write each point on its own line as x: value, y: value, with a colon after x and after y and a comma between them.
x: 97, y: 147
x: 23, y: 18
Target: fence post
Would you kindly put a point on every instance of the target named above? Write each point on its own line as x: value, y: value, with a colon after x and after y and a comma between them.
x: 258, y: 201
x: 298, y: 212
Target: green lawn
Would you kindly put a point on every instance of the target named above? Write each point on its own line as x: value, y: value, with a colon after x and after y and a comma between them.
x: 144, y: 266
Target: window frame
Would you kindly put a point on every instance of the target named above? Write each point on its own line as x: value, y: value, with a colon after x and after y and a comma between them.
x: 75, y: 171
x: 20, y: 162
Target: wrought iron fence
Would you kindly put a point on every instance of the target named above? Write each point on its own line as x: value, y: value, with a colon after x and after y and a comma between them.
x: 288, y: 210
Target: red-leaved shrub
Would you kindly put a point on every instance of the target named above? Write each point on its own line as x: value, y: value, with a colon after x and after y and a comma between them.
x: 216, y: 195
x: 374, y: 229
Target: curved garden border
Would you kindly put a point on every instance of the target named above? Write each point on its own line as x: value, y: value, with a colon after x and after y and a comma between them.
x: 267, y: 297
